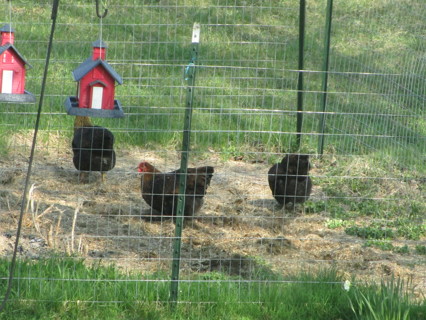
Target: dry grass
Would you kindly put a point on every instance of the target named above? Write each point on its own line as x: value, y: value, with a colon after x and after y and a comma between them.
x: 239, y: 219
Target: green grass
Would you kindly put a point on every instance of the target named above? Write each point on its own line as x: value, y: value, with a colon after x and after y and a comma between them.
x: 48, y: 289
x: 374, y: 191
x: 246, y: 72
x: 388, y: 301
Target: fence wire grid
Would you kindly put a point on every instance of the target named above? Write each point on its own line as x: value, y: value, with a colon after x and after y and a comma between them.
x: 365, y: 215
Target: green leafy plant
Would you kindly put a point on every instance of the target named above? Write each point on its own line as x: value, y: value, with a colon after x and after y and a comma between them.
x: 403, y: 250
x: 367, y: 207
x: 387, y: 246
x: 383, y: 245
x: 315, y: 206
x: 410, y: 231
x: 371, y: 232
x: 421, y: 249
x: 336, y: 223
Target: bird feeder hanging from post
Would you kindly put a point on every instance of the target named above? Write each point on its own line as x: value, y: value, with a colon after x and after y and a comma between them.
x: 12, y: 70
x: 95, y: 87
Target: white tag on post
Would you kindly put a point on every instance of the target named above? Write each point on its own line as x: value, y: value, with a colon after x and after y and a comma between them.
x: 196, y: 33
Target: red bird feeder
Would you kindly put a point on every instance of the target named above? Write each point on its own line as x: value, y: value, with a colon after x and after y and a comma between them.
x: 12, y: 70
x: 96, y: 87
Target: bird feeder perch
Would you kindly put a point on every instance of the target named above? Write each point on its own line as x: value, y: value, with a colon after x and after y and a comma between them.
x: 95, y: 87
x: 12, y: 70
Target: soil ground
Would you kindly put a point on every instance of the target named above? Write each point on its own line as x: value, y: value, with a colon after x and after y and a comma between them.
x: 239, y: 228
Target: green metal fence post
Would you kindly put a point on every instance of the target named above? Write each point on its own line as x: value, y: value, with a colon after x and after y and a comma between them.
x: 190, y: 78
x: 301, y: 67
x: 325, y: 75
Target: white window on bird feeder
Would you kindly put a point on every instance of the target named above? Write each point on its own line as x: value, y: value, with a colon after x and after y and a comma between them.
x: 97, y: 93
x: 6, y: 82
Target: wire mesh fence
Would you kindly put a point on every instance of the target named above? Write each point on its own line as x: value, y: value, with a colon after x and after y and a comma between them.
x: 366, y: 213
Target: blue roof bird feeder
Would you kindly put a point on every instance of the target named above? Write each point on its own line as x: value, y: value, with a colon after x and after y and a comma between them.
x: 95, y: 87
x: 12, y: 70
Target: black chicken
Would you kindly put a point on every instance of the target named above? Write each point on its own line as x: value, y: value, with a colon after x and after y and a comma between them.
x: 161, y: 190
x: 92, y: 147
x: 289, y: 180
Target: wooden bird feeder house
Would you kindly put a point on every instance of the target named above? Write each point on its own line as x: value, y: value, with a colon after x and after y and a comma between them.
x: 12, y: 70
x: 95, y: 87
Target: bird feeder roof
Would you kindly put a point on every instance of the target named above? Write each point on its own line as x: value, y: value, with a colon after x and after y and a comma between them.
x: 12, y: 47
x: 7, y: 28
x: 89, y: 64
x: 99, y: 44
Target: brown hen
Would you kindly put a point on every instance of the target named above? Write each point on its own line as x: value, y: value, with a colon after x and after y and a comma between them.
x: 161, y: 190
